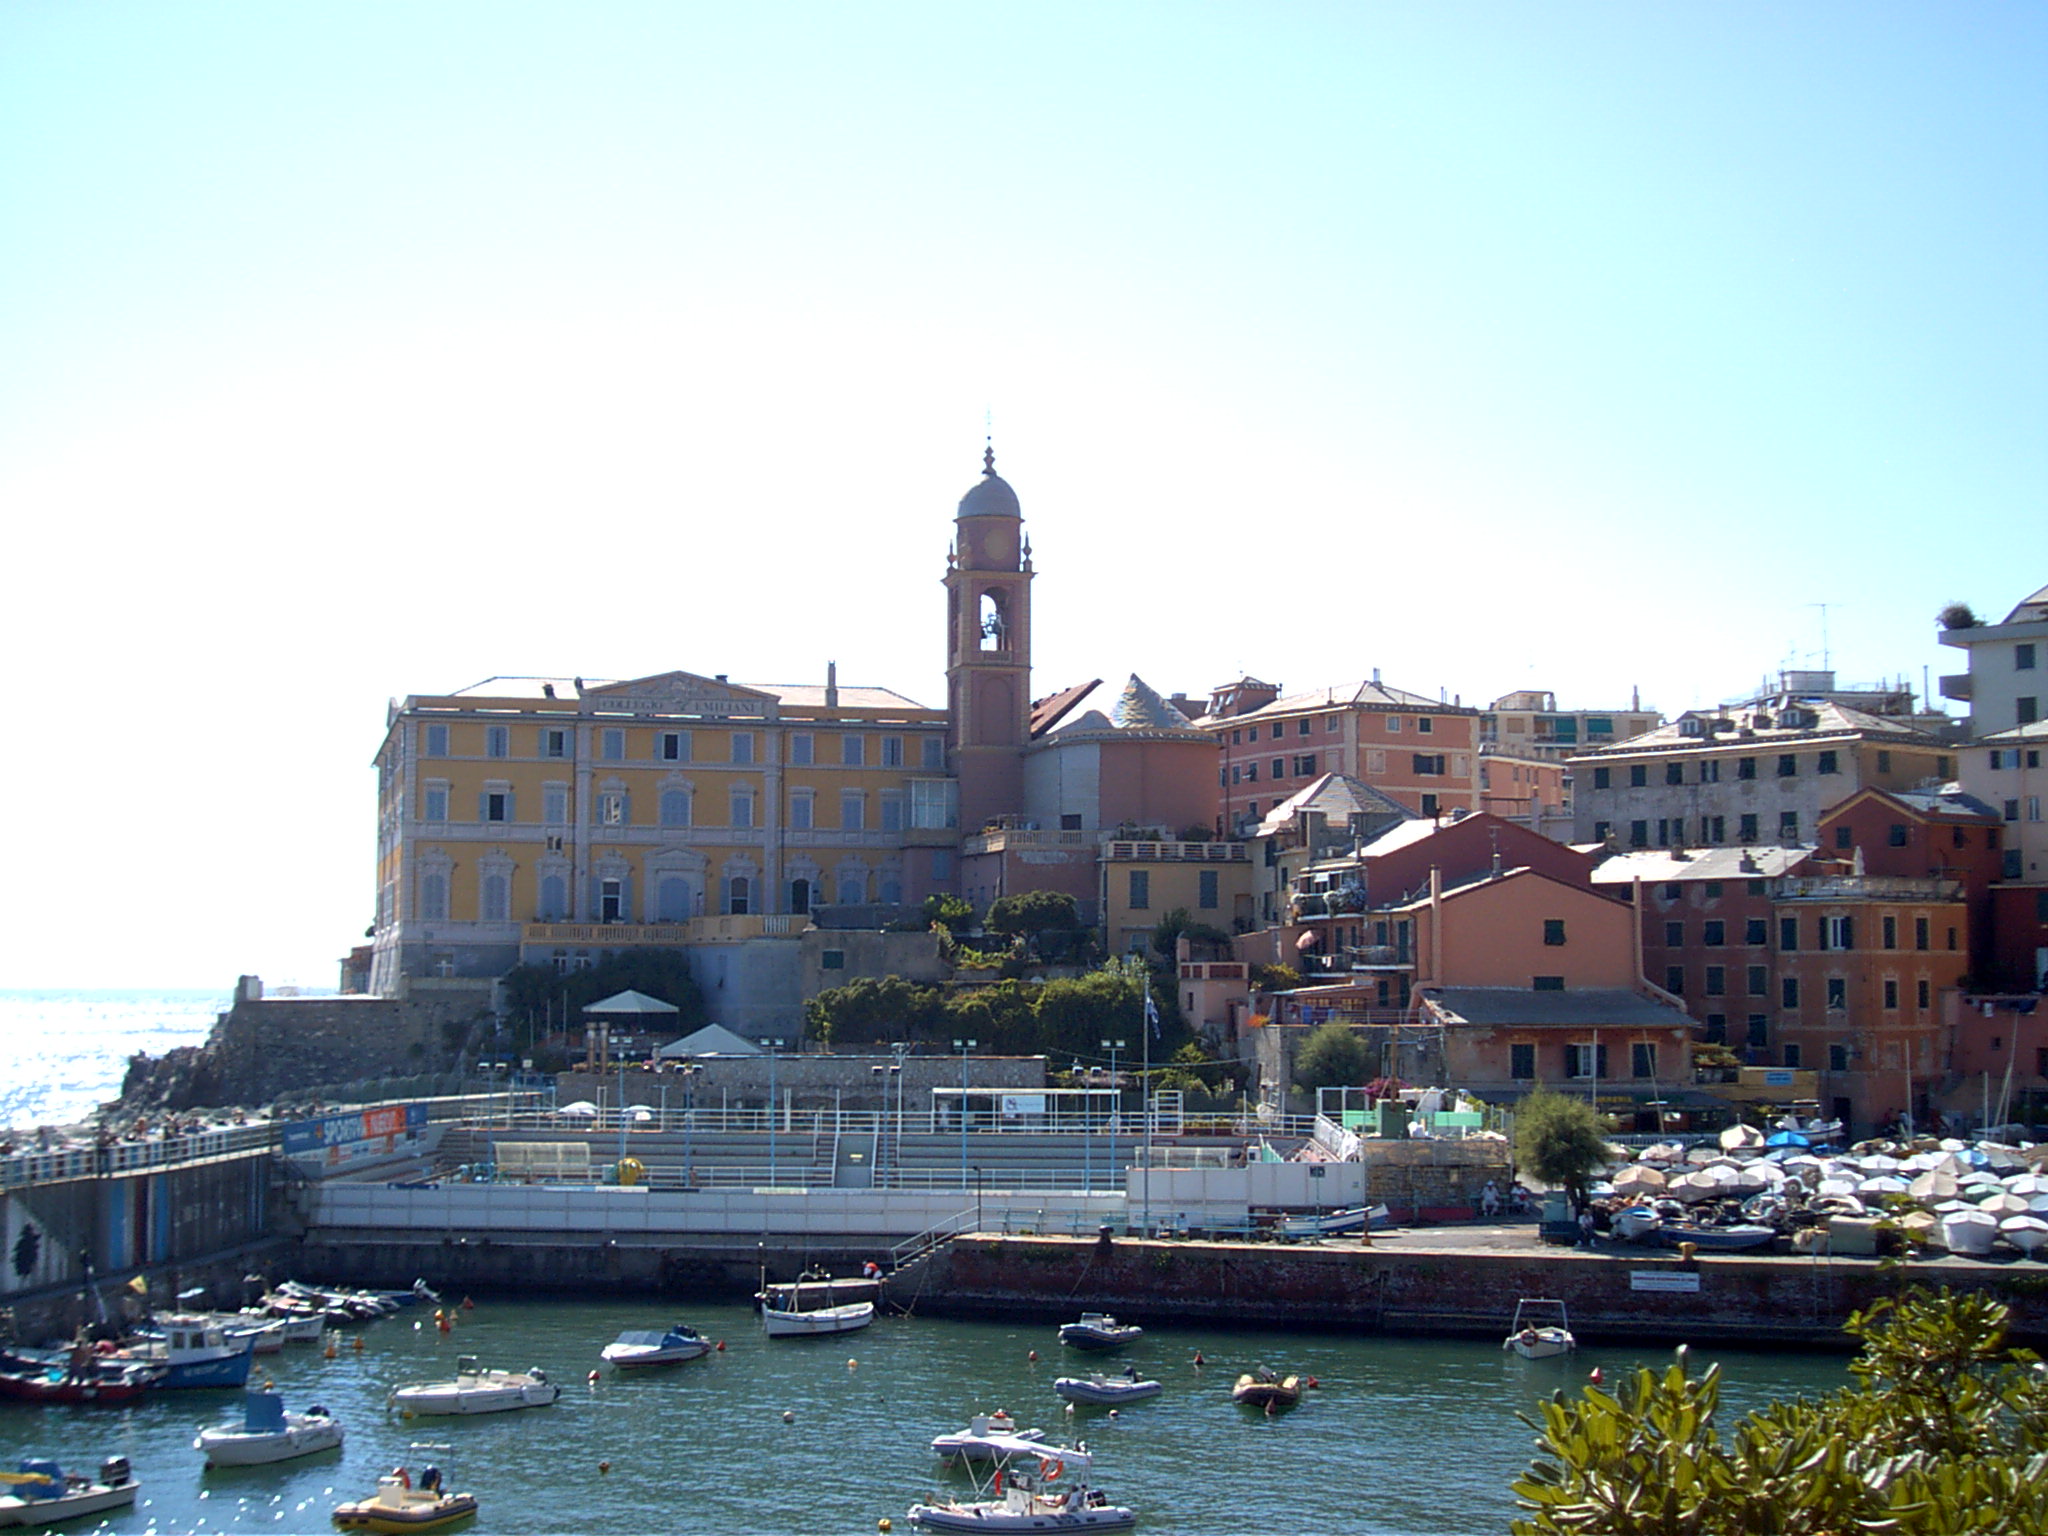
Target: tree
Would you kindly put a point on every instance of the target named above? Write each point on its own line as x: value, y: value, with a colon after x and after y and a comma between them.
x: 1944, y: 1432
x: 950, y: 913
x: 1561, y: 1140
x: 1075, y: 1016
x: 1034, y: 916
x: 535, y: 994
x: 1176, y: 924
x: 1333, y: 1057
x: 872, y: 1011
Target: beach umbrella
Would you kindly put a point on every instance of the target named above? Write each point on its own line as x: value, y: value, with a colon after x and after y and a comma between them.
x: 2028, y: 1184
x: 1836, y: 1186
x: 1787, y: 1139
x: 1637, y: 1180
x: 580, y: 1107
x: 1878, y: 1162
x: 1741, y: 1136
x: 2002, y: 1204
x: 1884, y: 1184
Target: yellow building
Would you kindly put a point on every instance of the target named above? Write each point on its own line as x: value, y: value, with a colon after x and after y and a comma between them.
x: 532, y: 819
x: 1143, y: 879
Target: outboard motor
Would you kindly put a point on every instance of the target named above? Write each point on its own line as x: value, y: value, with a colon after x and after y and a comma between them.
x: 115, y: 1471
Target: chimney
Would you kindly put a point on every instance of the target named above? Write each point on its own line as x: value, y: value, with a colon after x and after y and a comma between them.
x: 831, y: 685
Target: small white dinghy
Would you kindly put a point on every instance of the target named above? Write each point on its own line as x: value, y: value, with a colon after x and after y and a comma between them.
x: 267, y: 1433
x: 1107, y: 1391
x: 475, y: 1390
x: 1540, y: 1329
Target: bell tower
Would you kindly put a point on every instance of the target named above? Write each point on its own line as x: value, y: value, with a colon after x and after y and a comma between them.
x: 988, y: 650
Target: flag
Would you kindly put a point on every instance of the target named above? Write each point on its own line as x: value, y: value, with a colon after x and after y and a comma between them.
x: 1151, y: 1013
x: 139, y: 1286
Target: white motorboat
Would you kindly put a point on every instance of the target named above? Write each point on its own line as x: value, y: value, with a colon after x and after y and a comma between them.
x: 475, y: 1390
x: 267, y: 1433
x: 1106, y: 1391
x: 1098, y: 1330
x: 655, y: 1346
x: 983, y: 1432
x: 1968, y: 1231
x: 1050, y: 1493
x: 1540, y: 1329
x: 40, y: 1492
x: 1358, y: 1218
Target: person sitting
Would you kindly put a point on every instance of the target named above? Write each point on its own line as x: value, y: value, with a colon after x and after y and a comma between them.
x: 430, y: 1479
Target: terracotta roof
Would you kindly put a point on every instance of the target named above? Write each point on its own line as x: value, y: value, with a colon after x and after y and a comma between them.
x: 1050, y: 710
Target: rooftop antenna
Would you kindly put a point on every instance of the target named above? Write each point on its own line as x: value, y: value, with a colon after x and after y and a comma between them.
x: 1826, y: 661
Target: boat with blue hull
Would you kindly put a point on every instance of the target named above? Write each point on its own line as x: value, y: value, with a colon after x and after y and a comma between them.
x: 194, y: 1351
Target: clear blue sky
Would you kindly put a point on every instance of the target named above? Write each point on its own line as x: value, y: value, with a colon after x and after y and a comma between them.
x: 348, y: 351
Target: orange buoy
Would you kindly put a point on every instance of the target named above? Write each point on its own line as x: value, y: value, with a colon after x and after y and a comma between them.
x: 721, y: 1345
x: 604, y: 1466
x: 468, y: 1305
x: 356, y: 1343
x: 1313, y: 1382
x: 592, y: 1378
x: 1594, y: 1376
x: 1033, y: 1355
x: 330, y: 1351
x: 1198, y: 1357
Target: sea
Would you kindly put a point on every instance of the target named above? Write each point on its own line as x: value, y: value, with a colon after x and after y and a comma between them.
x: 70, y: 1048
x: 1399, y: 1436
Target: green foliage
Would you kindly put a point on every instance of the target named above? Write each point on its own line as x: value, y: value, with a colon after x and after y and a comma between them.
x: 951, y: 913
x: 1075, y: 1016
x: 1000, y: 1018
x: 1048, y: 922
x: 1275, y: 978
x: 873, y: 1011
x: 1561, y: 1140
x: 1946, y: 1431
x: 1177, y: 923
x: 1333, y: 1057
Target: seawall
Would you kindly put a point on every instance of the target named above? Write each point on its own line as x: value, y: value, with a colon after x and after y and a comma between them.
x: 1409, y: 1285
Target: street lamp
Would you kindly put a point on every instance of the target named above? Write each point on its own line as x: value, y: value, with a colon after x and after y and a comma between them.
x: 773, y: 1046
x: 690, y: 1124
x: 1113, y: 1047
x: 1087, y: 1148
x: 883, y: 1075
x: 963, y: 1047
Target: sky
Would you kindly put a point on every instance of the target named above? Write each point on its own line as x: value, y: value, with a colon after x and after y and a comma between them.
x: 355, y: 351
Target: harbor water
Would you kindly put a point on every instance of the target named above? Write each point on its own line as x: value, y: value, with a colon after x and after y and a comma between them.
x: 1400, y: 1437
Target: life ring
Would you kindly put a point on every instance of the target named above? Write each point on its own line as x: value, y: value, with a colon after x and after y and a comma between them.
x: 404, y: 1477
x: 1051, y: 1468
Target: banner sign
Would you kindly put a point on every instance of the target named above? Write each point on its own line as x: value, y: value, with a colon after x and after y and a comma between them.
x: 383, y: 1122
x: 1663, y: 1280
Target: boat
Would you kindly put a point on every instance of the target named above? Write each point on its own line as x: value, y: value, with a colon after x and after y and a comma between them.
x: 476, y: 1390
x: 784, y: 1315
x: 1728, y: 1239
x: 1359, y: 1218
x: 1106, y: 1391
x: 39, y: 1492
x: 80, y: 1376
x: 638, y: 1347
x: 267, y: 1433
x: 194, y: 1350
x: 1098, y: 1330
x: 1050, y: 1494
x: 1540, y: 1329
x: 983, y: 1430
x: 1633, y: 1223
x: 398, y: 1506
x: 1267, y: 1389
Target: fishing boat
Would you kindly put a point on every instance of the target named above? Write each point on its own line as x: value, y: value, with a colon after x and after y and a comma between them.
x: 1540, y: 1329
x: 267, y: 1433
x: 1033, y: 1487
x: 193, y: 1349
x: 1733, y: 1238
x: 1359, y: 1218
x: 1267, y: 1389
x: 1099, y: 1330
x: 655, y: 1346
x: 1106, y: 1391
x: 983, y: 1431
x: 79, y: 1376
x: 784, y: 1315
x: 397, y: 1506
x: 39, y: 1492
x: 476, y: 1390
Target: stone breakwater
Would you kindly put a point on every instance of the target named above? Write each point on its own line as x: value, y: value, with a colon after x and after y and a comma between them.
x: 1467, y: 1285
x: 262, y: 1048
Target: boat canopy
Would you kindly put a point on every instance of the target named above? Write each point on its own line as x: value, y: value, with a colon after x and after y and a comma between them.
x: 1071, y: 1457
x: 653, y: 1338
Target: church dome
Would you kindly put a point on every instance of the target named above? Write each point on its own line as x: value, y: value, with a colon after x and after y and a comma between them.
x: 993, y: 496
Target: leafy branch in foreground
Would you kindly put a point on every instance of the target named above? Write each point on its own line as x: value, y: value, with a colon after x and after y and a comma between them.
x: 1946, y: 1431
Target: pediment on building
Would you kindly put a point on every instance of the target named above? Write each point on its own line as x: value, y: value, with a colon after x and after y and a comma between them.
x: 680, y: 693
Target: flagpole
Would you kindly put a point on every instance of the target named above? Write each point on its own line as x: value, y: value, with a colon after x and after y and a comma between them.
x: 1147, y: 1020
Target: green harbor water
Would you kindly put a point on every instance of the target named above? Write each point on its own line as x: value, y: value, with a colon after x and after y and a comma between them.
x: 1401, y: 1437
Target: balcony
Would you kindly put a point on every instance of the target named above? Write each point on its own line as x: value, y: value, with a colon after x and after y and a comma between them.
x: 1173, y: 852
x: 1956, y: 685
x: 1868, y: 888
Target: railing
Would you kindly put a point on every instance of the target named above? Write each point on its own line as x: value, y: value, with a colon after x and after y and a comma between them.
x: 135, y: 1154
x: 1869, y: 888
